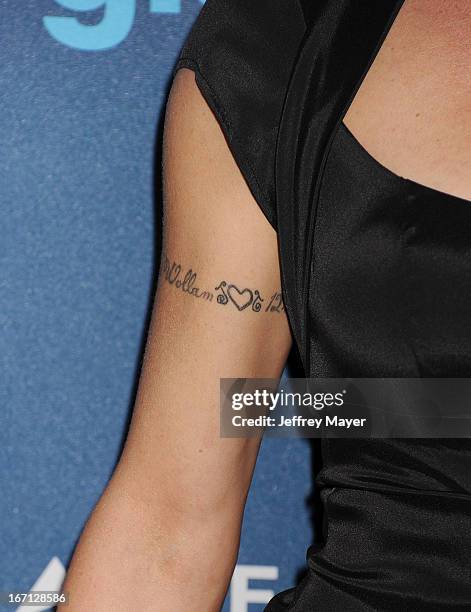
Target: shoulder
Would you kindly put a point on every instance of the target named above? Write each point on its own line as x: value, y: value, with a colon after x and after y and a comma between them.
x: 243, y: 53
x: 257, y: 21
x: 254, y: 42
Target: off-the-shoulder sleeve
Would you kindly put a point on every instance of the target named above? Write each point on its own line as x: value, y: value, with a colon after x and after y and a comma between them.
x: 242, y: 53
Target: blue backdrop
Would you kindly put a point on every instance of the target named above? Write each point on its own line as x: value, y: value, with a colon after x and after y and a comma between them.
x: 83, y: 84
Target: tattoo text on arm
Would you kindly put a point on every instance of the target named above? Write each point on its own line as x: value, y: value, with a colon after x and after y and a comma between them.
x: 228, y: 294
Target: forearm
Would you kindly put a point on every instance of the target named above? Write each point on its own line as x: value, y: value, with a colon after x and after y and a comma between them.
x: 138, y: 556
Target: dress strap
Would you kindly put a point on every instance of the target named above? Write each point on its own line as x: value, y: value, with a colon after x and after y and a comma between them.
x: 341, y: 42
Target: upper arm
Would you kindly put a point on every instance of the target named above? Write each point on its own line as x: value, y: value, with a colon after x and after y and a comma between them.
x: 213, y: 226
x: 215, y: 235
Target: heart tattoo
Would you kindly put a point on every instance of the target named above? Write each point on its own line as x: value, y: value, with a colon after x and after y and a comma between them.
x: 241, y: 299
x: 185, y: 280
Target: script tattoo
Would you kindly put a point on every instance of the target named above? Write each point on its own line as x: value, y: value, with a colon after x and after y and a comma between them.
x: 247, y: 298
x: 240, y: 298
x: 276, y: 303
x: 228, y: 293
x: 184, y: 281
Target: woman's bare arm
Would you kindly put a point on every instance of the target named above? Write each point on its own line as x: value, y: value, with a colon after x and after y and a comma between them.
x: 165, y: 533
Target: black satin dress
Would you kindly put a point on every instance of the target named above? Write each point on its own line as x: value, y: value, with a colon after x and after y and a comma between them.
x: 376, y: 274
x: 390, y: 297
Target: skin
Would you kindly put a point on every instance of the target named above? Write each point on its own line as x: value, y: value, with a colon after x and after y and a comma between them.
x: 165, y: 533
x: 413, y: 110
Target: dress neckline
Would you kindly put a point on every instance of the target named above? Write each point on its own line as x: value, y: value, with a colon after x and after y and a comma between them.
x: 408, y: 182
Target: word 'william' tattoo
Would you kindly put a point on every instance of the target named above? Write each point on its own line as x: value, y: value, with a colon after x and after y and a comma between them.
x: 229, y: 294
x: 184, y: 281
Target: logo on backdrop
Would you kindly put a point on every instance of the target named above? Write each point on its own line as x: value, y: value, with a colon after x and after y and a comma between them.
x: 115, y: 23
x: 51, y: 579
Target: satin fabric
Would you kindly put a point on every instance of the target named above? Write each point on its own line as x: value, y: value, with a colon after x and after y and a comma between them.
x: 341, y: 41
x: 375, y: 274
x: 242, y: 53
x: 389, y: 297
